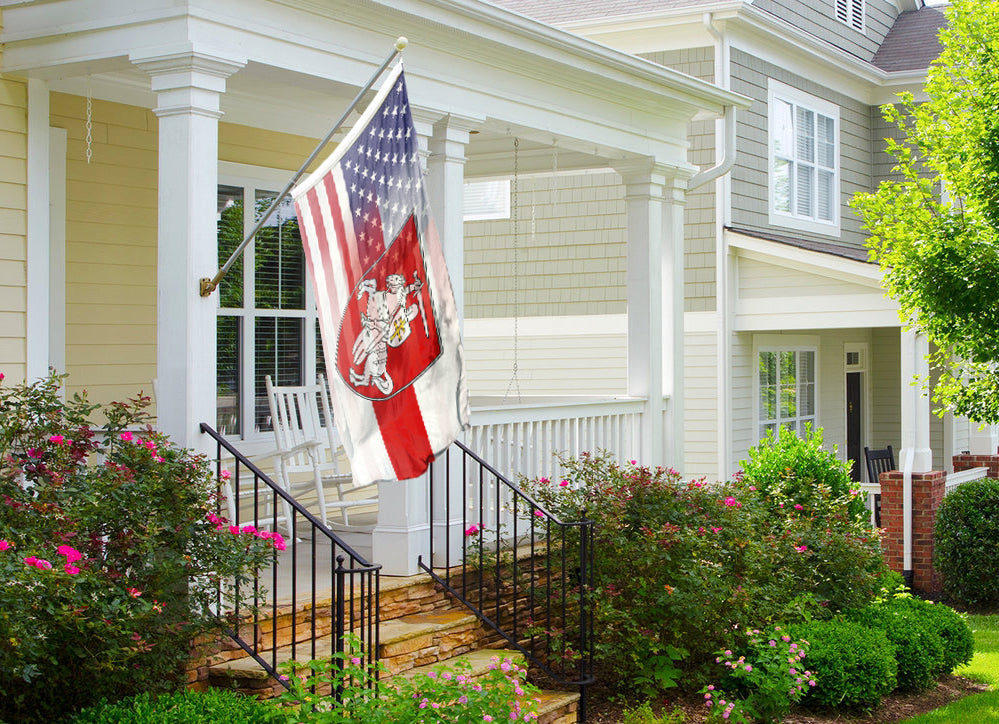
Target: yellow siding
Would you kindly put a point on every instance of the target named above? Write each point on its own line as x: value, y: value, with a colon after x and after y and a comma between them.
x: 110, y: 247
x: 13, y: 223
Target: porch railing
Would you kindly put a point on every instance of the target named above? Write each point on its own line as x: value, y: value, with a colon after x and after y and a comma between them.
x: 521, y: 570
x: 317, y: 576
x: 523, y: 438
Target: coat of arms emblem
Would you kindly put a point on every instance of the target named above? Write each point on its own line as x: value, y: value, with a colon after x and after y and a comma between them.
x: 382, y: 349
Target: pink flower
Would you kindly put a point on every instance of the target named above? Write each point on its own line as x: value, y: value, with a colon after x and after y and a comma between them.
x: 539, y: 513
x: 234, y: 529
x: 34, y: 452
x: 42, y: 564
x: 801, y: 548
x: 486, y: 717
x: 355, y: 660
x: 633, y: 462
x: 279, y: 542
x: 226, y: 474
x: 30, y: 561
x: 4, y: 545
x: 57, y: 439
x: 715, y: 530
x: 248, y: 529
x: 472, y: 529
x: 71, y: 569
x: 126, y: 436
x: 72, y: 555
x: 563, y: 484
x: 799, y: 506
x: 730, y: 501
x: 134, y: 592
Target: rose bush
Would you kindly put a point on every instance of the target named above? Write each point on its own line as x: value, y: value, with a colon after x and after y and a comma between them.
x: 112, y: 553
x: 685, y: 568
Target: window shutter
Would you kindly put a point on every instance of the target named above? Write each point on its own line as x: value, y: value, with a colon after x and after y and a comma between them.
x: 857, y: 16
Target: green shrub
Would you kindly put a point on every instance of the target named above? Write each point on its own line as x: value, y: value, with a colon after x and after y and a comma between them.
x: 214, y: 706
x: 854, y: 665
x: 966, y: 539
x: 919, y: 648
x: 794, y: 470
x: 112, y: 550
x: 955, y: 634
x: 683, y: 569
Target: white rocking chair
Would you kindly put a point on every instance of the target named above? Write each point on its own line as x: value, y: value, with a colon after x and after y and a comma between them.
x: 308, y: 450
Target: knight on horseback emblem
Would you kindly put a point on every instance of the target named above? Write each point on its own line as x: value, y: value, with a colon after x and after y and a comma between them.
x: 385, y: 323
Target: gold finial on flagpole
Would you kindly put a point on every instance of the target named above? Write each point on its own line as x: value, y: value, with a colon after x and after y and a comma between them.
x: 401, y: 42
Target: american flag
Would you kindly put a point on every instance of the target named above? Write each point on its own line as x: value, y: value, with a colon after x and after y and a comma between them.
x: 386, y: 309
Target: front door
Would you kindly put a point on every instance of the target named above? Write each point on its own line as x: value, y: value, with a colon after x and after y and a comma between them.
x: 854, y: 449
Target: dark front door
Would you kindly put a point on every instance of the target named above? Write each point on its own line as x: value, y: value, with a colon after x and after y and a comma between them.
x: 854, y: 449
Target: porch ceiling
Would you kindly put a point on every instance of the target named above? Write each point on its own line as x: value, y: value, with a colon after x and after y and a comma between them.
x: 304, y: 61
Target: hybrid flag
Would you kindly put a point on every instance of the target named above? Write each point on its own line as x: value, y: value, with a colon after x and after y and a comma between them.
x: 389, y: 324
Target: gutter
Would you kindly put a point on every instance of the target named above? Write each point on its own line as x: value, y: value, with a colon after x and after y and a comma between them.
x: 724, y: 165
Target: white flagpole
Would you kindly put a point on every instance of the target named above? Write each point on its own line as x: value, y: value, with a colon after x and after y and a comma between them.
x: 210, y: 285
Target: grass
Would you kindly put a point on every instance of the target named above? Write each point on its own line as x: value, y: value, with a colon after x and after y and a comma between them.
x: 984, y: 667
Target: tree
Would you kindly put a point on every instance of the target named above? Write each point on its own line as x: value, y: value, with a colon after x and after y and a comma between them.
x: 935, y: 230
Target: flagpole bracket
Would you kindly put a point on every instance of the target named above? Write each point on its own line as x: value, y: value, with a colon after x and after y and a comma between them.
x: 207, y: 286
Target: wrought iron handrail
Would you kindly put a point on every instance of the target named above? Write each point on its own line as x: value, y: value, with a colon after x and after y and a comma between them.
x: 353, y: 588
x: 523, y: 572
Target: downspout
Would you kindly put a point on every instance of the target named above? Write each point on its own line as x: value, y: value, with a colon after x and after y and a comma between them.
x: 721, y: 79
x: 724, y: 129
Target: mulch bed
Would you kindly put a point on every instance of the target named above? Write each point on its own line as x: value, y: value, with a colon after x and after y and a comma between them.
x: 895, y: 707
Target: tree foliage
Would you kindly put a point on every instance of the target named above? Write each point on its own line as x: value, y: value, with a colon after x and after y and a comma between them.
x: 935, y: 228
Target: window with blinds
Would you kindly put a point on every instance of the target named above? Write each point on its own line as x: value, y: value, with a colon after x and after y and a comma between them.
x: 851, y: 12
x: 787, y: 391
x: 804, y: 180
x: 266, y: 317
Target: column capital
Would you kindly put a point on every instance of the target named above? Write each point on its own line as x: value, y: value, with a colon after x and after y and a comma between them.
x: 186, y: 80
x: 648, y: 172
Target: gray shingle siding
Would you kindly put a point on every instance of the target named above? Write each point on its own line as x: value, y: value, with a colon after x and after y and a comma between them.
x: 750, y: 182
x: 818, y: 18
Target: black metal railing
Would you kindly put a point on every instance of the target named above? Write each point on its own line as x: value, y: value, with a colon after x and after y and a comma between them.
x: 317, y: 578
x: 522, y: 571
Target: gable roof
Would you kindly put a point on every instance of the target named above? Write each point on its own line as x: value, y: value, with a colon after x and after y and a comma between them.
x: 912, y: 43
x: 556, y: 12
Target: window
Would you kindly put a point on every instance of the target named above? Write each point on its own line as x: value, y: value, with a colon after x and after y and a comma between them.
x: 851, y: 12
x: 486, y: 200
x: 786, y: 390
x: 804, y: 154
x: 266, y: 317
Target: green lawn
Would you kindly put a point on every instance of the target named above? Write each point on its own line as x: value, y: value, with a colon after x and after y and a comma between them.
x: 984, y: 667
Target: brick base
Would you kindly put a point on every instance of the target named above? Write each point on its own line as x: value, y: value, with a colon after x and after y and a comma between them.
x: 966, y: 462
x: 927, y: 491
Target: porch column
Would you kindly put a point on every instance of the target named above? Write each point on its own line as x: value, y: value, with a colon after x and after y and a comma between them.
x: 915, y: 455
x: 654, y: 195
x: 188, y: 87
x: 446, y: 184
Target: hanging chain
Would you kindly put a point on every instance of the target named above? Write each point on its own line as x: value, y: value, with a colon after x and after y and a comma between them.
x: 514, y: 380
x: 90, y: 122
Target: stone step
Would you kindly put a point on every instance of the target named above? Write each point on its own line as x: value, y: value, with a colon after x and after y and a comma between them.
x: 404, y: 643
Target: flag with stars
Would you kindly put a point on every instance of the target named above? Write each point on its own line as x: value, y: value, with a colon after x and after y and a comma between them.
x: 390, y: 329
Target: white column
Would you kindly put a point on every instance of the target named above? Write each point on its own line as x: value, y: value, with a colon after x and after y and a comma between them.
x: 188, y: 86
x: 446, y: 179
x: 915, y: 455
x: 446, y: 171
x: 402, y: 533
x: 654, y: 197
x: 38, y: 313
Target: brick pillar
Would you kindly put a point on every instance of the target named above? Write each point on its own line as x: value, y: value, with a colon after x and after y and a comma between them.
x: 965, y: 461
x: 927, y: 491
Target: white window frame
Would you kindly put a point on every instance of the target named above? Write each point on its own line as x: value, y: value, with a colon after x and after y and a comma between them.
x: 252, y: 179
x: 778, y: 344
x: 781, y: 92
x: 852, y: 13
x: 486, y: 199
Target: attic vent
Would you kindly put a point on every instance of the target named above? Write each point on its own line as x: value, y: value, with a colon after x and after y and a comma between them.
x: 851, y: 12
